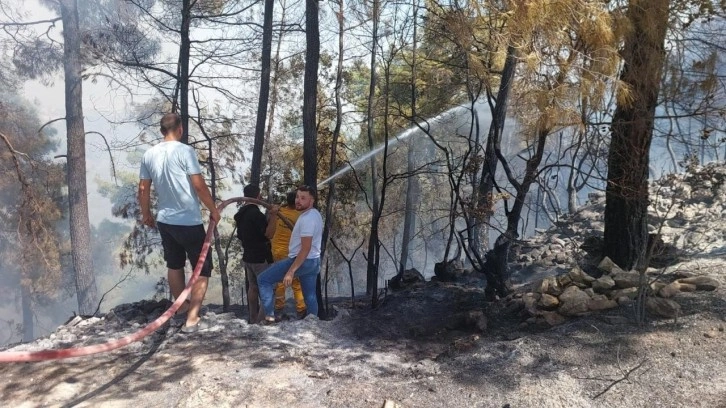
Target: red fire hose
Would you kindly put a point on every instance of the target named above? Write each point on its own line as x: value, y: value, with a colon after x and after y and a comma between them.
x: 24, y: 356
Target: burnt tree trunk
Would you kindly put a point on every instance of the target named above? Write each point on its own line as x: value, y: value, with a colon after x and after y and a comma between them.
x: 184, y: 49
x: 80, y: 227
x: 256, y: 167
x: 626, y: 208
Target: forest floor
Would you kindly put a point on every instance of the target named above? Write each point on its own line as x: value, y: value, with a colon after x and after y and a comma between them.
x: 411, y: 351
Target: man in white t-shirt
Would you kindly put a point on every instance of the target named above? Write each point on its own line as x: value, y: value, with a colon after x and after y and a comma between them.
x: 174, y: 170
x: 303, y: 259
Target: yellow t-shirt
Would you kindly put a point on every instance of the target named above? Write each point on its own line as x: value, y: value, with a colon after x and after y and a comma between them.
x: 281, y: 239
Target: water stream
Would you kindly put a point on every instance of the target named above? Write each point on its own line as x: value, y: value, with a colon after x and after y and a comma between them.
x: 413, y: 130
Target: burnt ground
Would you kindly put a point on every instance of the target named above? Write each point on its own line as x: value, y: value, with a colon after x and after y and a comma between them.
x: 422, y: 347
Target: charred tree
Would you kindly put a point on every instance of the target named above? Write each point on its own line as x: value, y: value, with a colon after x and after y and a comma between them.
x: 80, y: 227
x: 626, y: 208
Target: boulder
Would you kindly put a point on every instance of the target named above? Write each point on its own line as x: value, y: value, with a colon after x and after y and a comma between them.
x: 573, y: 302
x: 601, y: 302
x: 408, y: 278
x: 630, y: 293
x: 662, y: 307
x: 603, y: 284
x: 625, y: 280
x: 548, y: 301
x: 701, y: 282
x: 549, y: 286
x: 670, y: 290
x: 578, y: 276
x: 608, y: 265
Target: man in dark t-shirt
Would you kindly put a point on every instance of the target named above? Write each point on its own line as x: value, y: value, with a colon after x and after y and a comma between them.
x: 253, y: 232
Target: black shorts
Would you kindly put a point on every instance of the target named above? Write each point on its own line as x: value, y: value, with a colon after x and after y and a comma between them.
x: 182, y: 241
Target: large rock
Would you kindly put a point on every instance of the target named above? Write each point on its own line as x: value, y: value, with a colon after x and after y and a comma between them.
x: 578, y: 276
x: 548, y: 302
x: 670, y: 290
x: 603, y: 284
x: 625, y: 280
x: 601, y: 302
x: 608, y: 266
x: 662, y: 307
x: 549, y: 286
x: 630, y: 293
x: 408, y: 278
x: 574, y: 302
x: 701, y: 282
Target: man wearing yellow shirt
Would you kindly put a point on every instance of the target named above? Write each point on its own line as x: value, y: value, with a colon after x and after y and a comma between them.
x: 280, y: 242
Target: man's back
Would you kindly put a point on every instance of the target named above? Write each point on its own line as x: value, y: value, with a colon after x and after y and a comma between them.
x: 168, y: 165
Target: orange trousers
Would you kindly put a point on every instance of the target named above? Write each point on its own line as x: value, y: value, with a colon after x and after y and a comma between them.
x: 297, y: 293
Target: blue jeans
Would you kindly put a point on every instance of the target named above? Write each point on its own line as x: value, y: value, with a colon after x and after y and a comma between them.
x: 308, y: 275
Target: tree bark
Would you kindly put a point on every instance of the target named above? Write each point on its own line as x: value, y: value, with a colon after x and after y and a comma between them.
x: 310, y: 126
x: 626, y: 208
x: 184, y: 48
x: 371, y: 273
x: 80, y: 228
x: 409, y: 221
x: 256, y: 168
x: 310, y: 93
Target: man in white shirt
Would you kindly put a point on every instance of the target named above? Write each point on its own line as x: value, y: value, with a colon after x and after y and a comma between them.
x: 174, y: 169
x: 303, y: 259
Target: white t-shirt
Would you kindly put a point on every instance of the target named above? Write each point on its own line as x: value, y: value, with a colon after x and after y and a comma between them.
x: 310, y: 224
x: 168, y: 165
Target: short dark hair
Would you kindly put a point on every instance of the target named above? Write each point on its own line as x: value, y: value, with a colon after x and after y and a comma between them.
x: 310, y: 190
x: 290, y: 198
x: 169, y: 123
x: 251, y: 191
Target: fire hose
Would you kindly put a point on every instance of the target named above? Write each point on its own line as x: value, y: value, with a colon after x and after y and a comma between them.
x: 57, y: 354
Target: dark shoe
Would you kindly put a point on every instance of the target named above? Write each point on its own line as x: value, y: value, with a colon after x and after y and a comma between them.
x: 178, y: 319
x: 201, y: 325
x: 301, y: 315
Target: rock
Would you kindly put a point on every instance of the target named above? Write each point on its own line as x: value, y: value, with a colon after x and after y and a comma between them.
x: 630, y: 293
x: 624, y: 301
x: 608, y: 265
x: 574, y: 301
x: 476, y: 320
x: 530, y: 302
x: 448, y: 271
x: 561, y: 258
x: 603, y: 284
x: 687, y: 287
x: 564, y: 280
x: 578, y: 276
x: 701, y: 282
x: 625, y: 280
x: 601, y: 302
x: 550, y: 286
x: 553, y: 318
x: 662, y: 307
x: 408, y: 278
x: 670, y: 290
x: 548, y: 301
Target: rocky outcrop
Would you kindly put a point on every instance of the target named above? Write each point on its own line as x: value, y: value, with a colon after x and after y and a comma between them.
x: 553, y: 299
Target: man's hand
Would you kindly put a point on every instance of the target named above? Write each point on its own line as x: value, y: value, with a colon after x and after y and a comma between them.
x: 215, y: 216
x: 273, y: 210
x: 148, y: 220
x: 287, y: 280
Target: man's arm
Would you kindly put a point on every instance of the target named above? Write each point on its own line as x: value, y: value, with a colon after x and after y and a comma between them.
x: 200, y: 186
x: 271, y: 222
x: 306, y: 243
x: 144, y: 197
